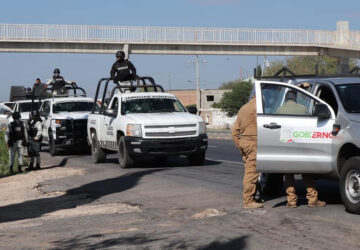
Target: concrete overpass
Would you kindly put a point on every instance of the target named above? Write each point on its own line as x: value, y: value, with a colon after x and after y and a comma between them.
x: 181, y: 41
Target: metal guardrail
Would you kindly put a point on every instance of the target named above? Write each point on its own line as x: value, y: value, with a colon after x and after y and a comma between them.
x: 173, y: 35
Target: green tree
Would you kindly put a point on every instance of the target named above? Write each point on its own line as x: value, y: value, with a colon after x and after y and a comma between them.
x: 307, y: 65
x: 232, y: 101
x: 229, y: 85
x: 258, y: 71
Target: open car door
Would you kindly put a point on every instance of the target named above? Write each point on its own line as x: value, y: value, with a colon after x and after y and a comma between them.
x: 294, y: 130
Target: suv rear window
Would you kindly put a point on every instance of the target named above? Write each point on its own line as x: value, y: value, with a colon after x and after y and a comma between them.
x: 349, y: 95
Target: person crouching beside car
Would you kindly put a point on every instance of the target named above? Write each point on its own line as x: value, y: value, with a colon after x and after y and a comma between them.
x: 16, y: 140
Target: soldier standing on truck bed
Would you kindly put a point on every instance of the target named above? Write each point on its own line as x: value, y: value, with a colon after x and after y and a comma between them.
x: 244, y: 135
x: 58, y: 82
x: 122, y: 70
x: 16, y: 140
x: 35, y: 136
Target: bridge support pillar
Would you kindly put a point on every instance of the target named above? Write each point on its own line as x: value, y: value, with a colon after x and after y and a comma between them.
x: 126, y: 50
x: 343, y: 65
x: 343, y: 30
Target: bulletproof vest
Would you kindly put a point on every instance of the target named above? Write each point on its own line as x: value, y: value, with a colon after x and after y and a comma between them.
x: 17, y: 131
x: 32, y: 129
x: 58, y: 82
x: 122, y: 71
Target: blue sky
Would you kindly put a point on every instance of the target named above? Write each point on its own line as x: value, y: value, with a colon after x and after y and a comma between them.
x: 86, y: 69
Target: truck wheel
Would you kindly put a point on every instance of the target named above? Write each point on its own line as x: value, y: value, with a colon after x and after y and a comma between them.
x: 52, y: 147
x: 197, y: 159
x: 350, y: 185
x: 97, y: 153
x: 125, y: 160
x: 270, y: 184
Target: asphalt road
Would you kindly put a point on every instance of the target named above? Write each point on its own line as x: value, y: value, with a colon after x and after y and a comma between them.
x: 78, y: 204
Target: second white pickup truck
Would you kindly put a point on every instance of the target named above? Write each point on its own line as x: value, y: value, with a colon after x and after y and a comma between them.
x: 149, y: 123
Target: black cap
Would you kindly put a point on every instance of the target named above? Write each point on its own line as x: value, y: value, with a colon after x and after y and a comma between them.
x: 56, y: 71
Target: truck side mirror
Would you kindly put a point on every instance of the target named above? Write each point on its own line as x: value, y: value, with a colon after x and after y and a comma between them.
x: 192, y: 110
x: 110, y: 112
x: 322, y: 111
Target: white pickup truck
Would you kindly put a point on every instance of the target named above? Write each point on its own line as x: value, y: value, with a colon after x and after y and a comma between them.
x: 64, y: 119
x: 137, y: 124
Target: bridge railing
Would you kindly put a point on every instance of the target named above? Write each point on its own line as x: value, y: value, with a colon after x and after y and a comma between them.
x: 110, y: 34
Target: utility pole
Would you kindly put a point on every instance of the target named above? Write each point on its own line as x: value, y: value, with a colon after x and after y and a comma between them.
x: 169, y: 83
x: 198, y: 96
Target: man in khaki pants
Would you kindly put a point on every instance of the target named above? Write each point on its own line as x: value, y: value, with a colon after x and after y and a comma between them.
x: 244, y: 134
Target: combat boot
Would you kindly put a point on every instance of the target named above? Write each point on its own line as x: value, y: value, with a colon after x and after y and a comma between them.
x: 291, y: 205
x: 37, y: 167
x: 30, y: 168
x: 11, y: 170
x: 317, y: 204
x: 19, y: 169
x: 253, y: 205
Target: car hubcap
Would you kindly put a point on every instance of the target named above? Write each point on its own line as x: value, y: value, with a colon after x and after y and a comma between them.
x: 352, y: 186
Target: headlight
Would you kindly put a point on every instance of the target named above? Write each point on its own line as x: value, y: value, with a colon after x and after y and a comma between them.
x: 202, y: 128
x: 58, y: 123
x: 133, y: 130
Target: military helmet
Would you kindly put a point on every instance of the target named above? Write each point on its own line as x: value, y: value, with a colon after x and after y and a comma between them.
x: 120, y: 54
x: 35, y: 113
x: 16, y: 115
x: 56, y: 71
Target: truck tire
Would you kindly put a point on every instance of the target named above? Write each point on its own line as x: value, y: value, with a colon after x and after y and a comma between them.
x: 270, y: 184
x: 125, y: 160
x: 197, y: 159
x: 350, y: 185
x: 52, y: 147
x: 97, y: 153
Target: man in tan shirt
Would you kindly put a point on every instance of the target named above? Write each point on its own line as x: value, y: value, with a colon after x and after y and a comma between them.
x: 244, y: 134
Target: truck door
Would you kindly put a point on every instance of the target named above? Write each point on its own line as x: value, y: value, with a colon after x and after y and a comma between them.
x: 109, y: 121
x: 294, y: 135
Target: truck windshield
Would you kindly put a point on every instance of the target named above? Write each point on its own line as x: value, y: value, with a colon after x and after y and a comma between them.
x: 151, y: 105
x: 349, y: 95
x: 72, y: 107
x: 26, y: 106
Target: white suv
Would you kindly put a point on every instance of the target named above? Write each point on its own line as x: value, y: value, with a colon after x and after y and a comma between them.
x: 324, y: 141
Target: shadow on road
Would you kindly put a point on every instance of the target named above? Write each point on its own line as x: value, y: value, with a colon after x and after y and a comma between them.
x: 62, y: 163
x: 237, y: 243
x: 143, y: 241
x: 171, y: 162
x: 72, y: 198
x: 92, y: 242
